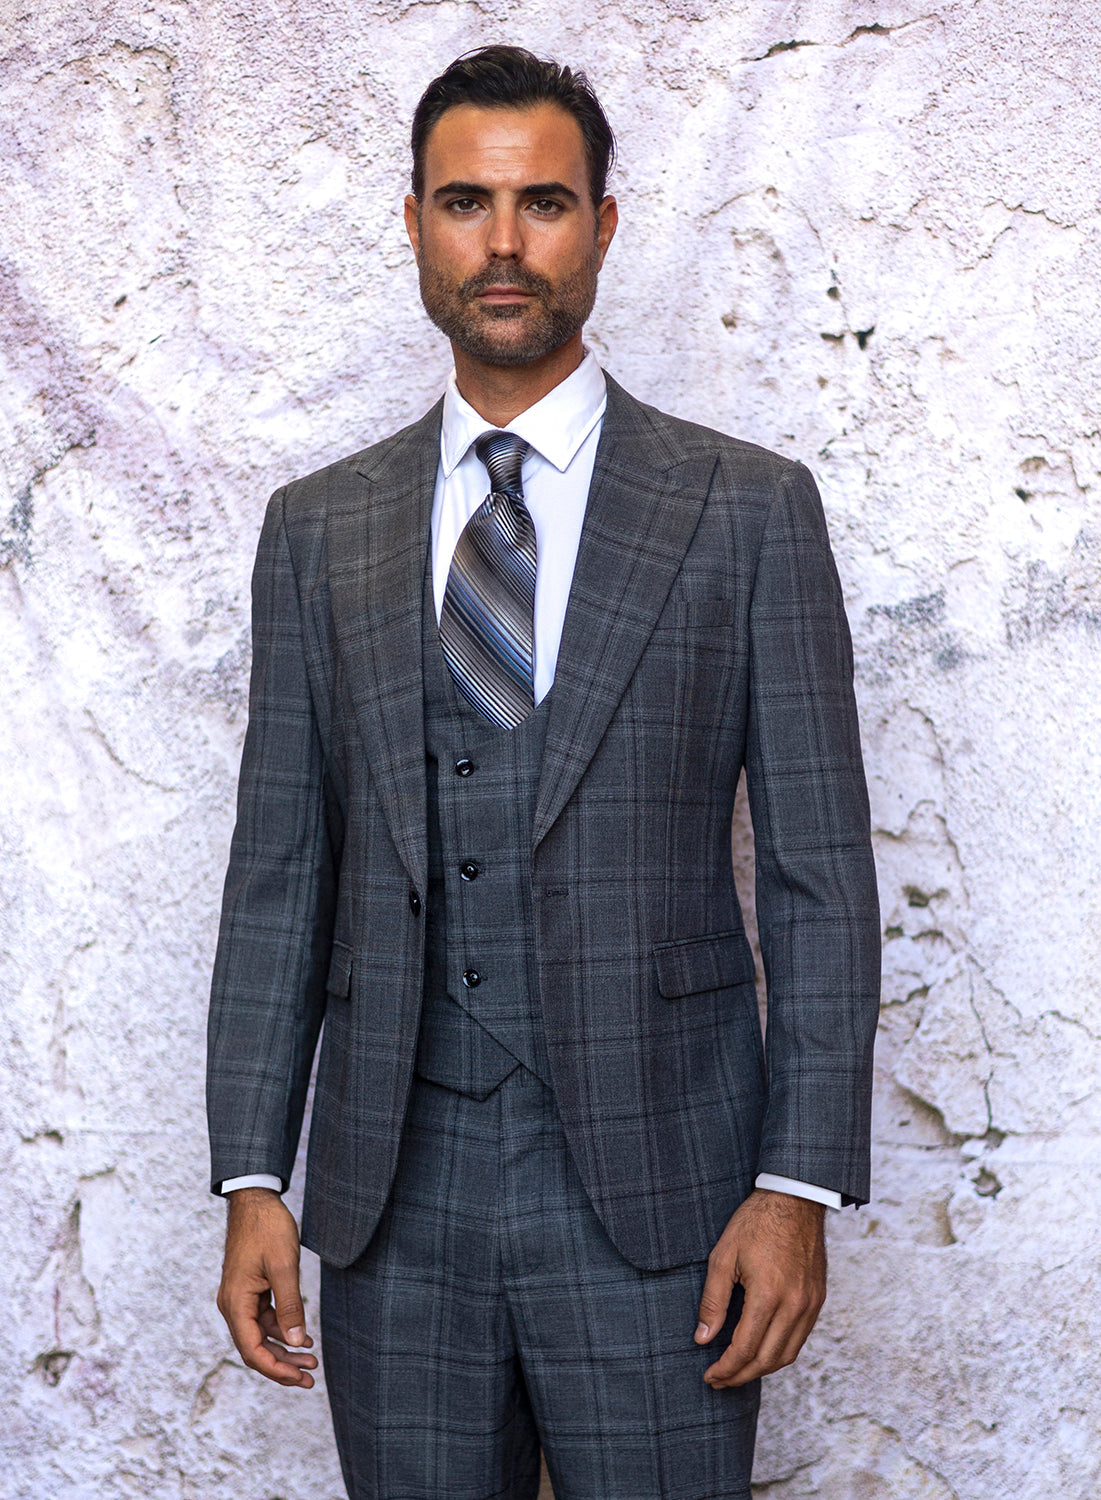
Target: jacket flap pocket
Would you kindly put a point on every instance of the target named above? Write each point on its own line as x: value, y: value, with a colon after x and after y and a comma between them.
x: 339, y: 981
x: 692, y: 965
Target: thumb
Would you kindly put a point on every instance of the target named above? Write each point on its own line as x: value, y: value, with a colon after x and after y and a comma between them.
x: 287, y: 1300
x: 714, y: 1302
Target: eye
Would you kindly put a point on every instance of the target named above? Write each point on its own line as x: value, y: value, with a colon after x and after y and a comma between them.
x: 545, y: 206
x: 463, y: 205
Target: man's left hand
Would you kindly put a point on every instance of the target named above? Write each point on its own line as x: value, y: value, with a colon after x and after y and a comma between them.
x: 775, y: 1247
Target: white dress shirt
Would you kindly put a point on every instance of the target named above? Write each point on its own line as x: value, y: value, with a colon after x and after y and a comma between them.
x: 563, y: 430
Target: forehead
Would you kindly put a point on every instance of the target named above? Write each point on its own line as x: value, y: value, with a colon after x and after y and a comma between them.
x: 504, y: 147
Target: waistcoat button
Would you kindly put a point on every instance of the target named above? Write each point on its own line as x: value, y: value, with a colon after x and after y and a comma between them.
x: 414, y: 903
x: 471, y: 978
x: 469, y: 870
x: 464, y: 767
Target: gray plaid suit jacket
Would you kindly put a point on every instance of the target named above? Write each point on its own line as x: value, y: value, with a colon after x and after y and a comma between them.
x: 705, y: 630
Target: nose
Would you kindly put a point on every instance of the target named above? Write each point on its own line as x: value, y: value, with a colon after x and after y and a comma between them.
x: 504, y: 239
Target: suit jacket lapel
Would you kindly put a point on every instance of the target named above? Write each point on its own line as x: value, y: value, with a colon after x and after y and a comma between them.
x: 643, y: 509
x: 378, y: 546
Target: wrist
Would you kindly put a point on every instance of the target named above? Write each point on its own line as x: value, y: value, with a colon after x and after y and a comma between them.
x: 790, y: 1204
x: 248, y: 1199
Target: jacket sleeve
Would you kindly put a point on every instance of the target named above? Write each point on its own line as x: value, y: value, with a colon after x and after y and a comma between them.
x: 268, y: 990
x: 817, y: 904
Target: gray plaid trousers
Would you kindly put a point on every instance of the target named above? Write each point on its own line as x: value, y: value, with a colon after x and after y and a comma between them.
x: 491, y: 1314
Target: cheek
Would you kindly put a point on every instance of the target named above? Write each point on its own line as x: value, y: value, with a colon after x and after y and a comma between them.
x: 437, y: 271
x: 559, y: 259
x: 448, y: 247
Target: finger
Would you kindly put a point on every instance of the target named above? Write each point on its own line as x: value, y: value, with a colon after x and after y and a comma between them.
x: 243, y: 1318
x: 240, y: 1309
x: 267, y: 1358
x: 779, y: 1344
x: 769, y: 1358
x: 296, y: 1359
x: 714, y: 1301
x: 274, y: 1364
x: 758, y: 1311
x: 789, y: 1352
x: 269, y: 1324
x: 739, y: 1366
x: 287, y: 1300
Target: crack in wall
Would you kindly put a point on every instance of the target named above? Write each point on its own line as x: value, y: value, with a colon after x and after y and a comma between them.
x: 872, y: 1457
x: 16, y: 533
x: 1071, y: 1021
x: 986, y: 1043
x: 874, y: 29
x: 208, y: 1388
x: 1034, y: 213
x: 102, y: 739
x: 777, y: 48
x: 75, y: 1313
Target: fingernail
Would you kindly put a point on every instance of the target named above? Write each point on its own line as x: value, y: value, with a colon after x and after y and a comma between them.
x: 295, y: 1335
x: 702, y: 1331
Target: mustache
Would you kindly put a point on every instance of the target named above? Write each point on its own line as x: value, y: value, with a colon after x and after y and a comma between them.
x: 516, y: 278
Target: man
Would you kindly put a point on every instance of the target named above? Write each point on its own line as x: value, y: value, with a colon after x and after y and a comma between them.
x: 484, y: 831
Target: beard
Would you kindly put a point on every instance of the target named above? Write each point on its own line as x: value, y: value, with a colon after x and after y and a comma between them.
x: 512, y: 334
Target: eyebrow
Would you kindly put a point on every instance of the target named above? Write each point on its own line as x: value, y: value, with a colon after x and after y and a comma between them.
x: 533, y: 190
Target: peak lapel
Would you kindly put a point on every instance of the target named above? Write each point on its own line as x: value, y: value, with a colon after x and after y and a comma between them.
x: 378, y: 547
x: 643, y: 509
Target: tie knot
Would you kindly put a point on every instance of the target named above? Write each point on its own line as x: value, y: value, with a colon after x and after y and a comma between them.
x: 503, y: 454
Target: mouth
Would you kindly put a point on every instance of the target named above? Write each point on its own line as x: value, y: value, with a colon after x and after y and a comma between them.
x: 501, y: 296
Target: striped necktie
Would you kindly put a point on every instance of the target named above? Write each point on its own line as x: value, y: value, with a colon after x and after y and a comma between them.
x: 487, y: 617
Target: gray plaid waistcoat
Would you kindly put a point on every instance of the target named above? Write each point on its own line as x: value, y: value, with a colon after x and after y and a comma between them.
x: 480, y: 929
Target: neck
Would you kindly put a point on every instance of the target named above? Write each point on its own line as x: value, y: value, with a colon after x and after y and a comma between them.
x: 501, y: 392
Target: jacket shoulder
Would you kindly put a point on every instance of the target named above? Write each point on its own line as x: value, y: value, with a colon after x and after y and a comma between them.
x: 743, y: 462
x: 312, y: 496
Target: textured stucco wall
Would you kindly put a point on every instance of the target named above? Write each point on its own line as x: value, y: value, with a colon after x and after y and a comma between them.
x: 865, y: 234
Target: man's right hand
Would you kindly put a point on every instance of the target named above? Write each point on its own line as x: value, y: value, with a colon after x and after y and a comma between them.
x: 259, y: 1296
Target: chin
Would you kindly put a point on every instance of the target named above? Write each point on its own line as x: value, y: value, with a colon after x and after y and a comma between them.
x: 505, y: 357
x: 494, y: 346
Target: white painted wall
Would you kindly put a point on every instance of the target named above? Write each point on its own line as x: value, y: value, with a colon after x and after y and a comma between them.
x: 876, y: 249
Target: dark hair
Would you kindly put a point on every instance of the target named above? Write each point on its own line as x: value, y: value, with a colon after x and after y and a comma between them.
x: 510, y: 78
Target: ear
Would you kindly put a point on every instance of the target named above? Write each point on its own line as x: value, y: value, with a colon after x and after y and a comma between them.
x: 412, y: 225
x: 607, y: 221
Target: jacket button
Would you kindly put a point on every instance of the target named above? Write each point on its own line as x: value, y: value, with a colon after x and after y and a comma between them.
x: 469, y: 870
x: 464, y: 767
x: 414, y: 903
x: 471, y: 978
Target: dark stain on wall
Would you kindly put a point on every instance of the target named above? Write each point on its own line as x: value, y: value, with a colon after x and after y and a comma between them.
x: 15, y: 530
x: 914, y: 627
x: 1043, y: 600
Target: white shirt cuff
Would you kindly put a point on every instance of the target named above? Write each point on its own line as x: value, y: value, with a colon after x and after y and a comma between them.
x: 258, y: 1179
x: 767, y: 1180
x: 773, y: 1184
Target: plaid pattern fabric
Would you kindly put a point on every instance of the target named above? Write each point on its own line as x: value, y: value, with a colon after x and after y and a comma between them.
x: 705, y: 630
x: 491, y: 1314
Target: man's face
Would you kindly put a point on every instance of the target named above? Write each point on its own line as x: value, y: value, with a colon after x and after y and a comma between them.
x: 507, y: 239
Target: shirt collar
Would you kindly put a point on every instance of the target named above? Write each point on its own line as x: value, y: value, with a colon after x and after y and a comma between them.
x: 555, y: 426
